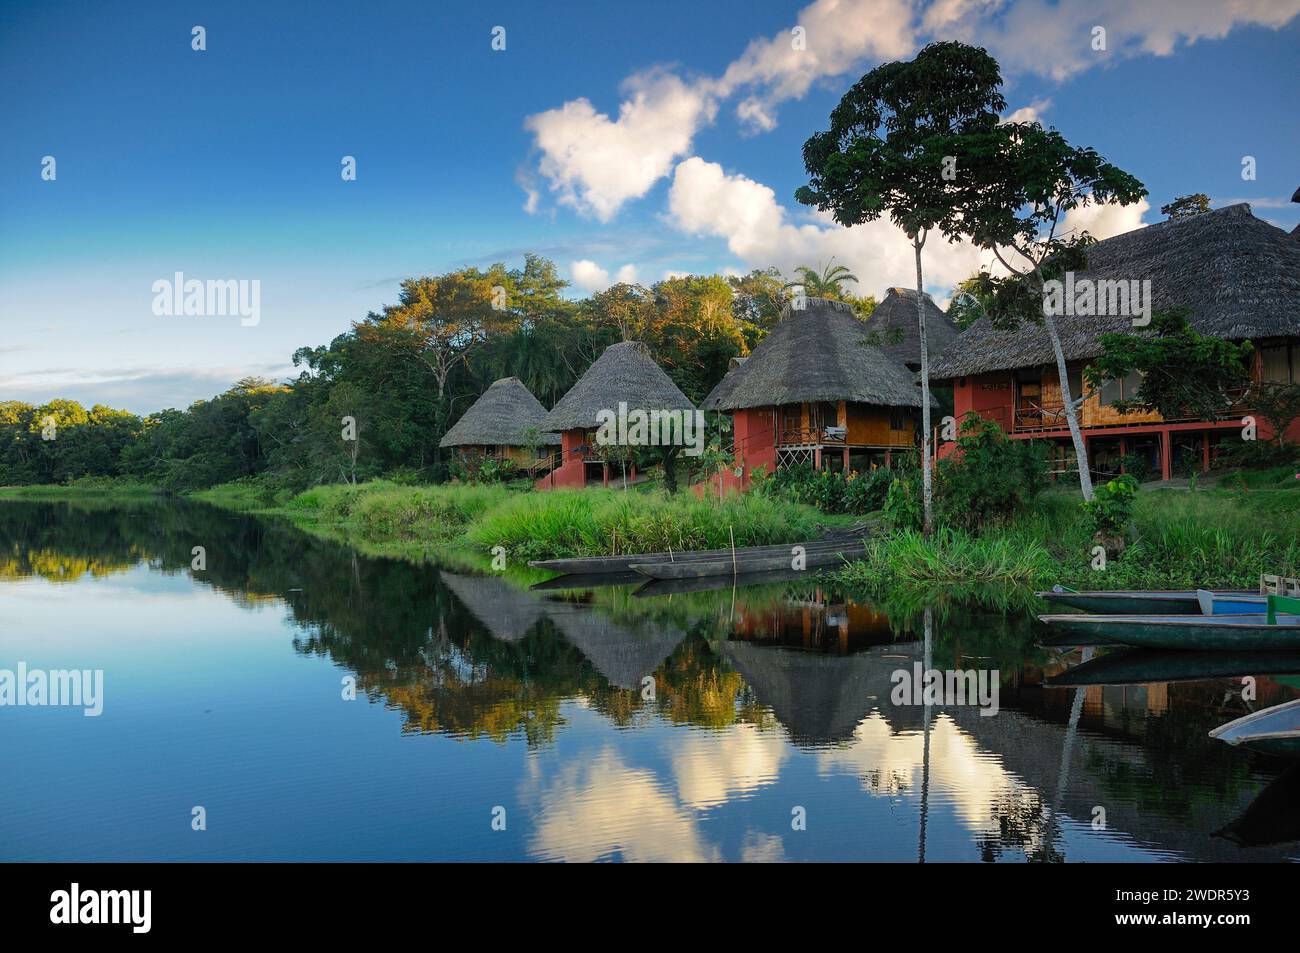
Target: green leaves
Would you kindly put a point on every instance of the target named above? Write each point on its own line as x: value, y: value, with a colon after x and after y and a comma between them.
x: 1184, y: 374
x: 900, y: 137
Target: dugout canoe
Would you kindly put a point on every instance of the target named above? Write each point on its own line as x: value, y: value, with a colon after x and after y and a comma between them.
x: 1221, y: 633
x: 1144, y: 666
x: 748, y: 562
x: 1137, y: 601
x: 1274, y: 730
x: 584, y: 565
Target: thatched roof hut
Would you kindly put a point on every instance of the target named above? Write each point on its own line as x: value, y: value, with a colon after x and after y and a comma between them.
x: 894, y: 321
x: 625, y: 372
x: 508, y: 613
x: 500, y: 417
x: 623, y: 655
x: 820, y: 699
x: 1239, y: 276
x: 821, y: 352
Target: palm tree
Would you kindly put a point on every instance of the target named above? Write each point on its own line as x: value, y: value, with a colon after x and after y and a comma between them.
x: 823, y: 285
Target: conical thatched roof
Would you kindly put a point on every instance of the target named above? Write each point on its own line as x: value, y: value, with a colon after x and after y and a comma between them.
x: 820, y: 699
x: 819, y: 352
x: 499, y: 417
x: 895, y: 318
x: 506, y: 612
x: 1239, y: 275
x: 623, y: 655
x: 625, y: 372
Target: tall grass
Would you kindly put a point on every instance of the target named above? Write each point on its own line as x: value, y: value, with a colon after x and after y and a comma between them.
x: 951, y: 556
x: 608, y: 522
x: 1179, y: 540
x: 395, y: 513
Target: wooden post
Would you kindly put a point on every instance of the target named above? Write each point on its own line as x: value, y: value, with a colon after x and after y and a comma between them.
x: 1205, y: 452
x: 1166, y: 451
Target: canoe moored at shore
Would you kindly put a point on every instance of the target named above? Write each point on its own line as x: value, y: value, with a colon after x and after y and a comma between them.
x: 620, y: 564
x: 1230, y: 603
x: 747, y: 562
x: 1144, y: 666
x: 1198, y: 632
x: 1274, y: 730
x: 1137, y: 601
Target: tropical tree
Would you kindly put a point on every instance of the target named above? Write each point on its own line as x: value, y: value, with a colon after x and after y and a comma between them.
x: 1185, y: 206
x: 824, y: 284
x: 1184, y: 373
x: 1025, y: 181
x: 893, y: 148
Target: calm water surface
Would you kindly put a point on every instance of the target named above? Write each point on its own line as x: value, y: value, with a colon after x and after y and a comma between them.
x: 601, y: 725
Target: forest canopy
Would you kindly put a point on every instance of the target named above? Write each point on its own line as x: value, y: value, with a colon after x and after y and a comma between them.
x: 404, y: 373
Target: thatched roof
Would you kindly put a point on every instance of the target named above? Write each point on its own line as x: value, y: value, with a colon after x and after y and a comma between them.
x: 625, y: 372
x: 895, y: 317
x: 1239, y: 275
x: 820, y: 699
x: 819, y: 352
x: 507, y: 612
x: 623, y: 655
x: 499, y: 418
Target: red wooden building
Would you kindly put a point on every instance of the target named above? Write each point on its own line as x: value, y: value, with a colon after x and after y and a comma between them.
x: 1240, y: 278
x: 818, y: 391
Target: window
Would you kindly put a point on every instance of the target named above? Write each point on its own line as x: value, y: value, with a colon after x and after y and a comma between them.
x: 1125, y: 389
x: 1277, y: 363
x: 1075, y: 379
x: 897, y: 418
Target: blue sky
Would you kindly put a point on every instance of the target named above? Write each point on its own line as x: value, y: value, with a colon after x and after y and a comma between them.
x: 621, y: 140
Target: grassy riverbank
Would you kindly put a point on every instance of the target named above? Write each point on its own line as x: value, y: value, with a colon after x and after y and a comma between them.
x: 1219, y: 537
x: 412, y: 521
x: 1180, y: 539
x: 93, y: 487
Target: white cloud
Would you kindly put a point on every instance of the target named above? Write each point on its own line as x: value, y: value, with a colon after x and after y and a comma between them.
x: 589, y: 276
x: 838, y: 35
x: 594, y: 164
x: 705, y: 200
x: 1105, y: 221
x: 1055, y: 37
x: 1031, y: 113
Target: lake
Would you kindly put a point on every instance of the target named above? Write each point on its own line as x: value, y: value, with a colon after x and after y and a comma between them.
x: 293, y: 699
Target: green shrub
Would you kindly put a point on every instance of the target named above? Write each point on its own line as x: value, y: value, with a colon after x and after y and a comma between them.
x: 1111, y: 508
x: 594, y: 522
x: 990, y: 478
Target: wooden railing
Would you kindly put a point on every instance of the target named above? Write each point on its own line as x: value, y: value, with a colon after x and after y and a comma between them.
x: 803, y: 436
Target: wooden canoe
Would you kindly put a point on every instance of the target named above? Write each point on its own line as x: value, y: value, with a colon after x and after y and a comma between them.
x: 1144, y: 666
x: 1189, y: 632
x: 1136, y: 601
x: 669, y: 587
x: 1274, y: 730
x: 604, y: 564
x: 747, y: 562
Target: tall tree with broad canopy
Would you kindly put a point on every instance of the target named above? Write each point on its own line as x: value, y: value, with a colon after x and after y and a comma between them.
x: 1021, y: 190
x: 1184, y: 374
x: 894, y: 147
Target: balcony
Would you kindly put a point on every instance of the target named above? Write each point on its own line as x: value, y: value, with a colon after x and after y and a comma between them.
x: 813, y: 437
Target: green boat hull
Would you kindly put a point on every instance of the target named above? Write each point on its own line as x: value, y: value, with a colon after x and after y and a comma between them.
x: 1143, y: 666
x: 1183, y: 633
x: 1278, y: 747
